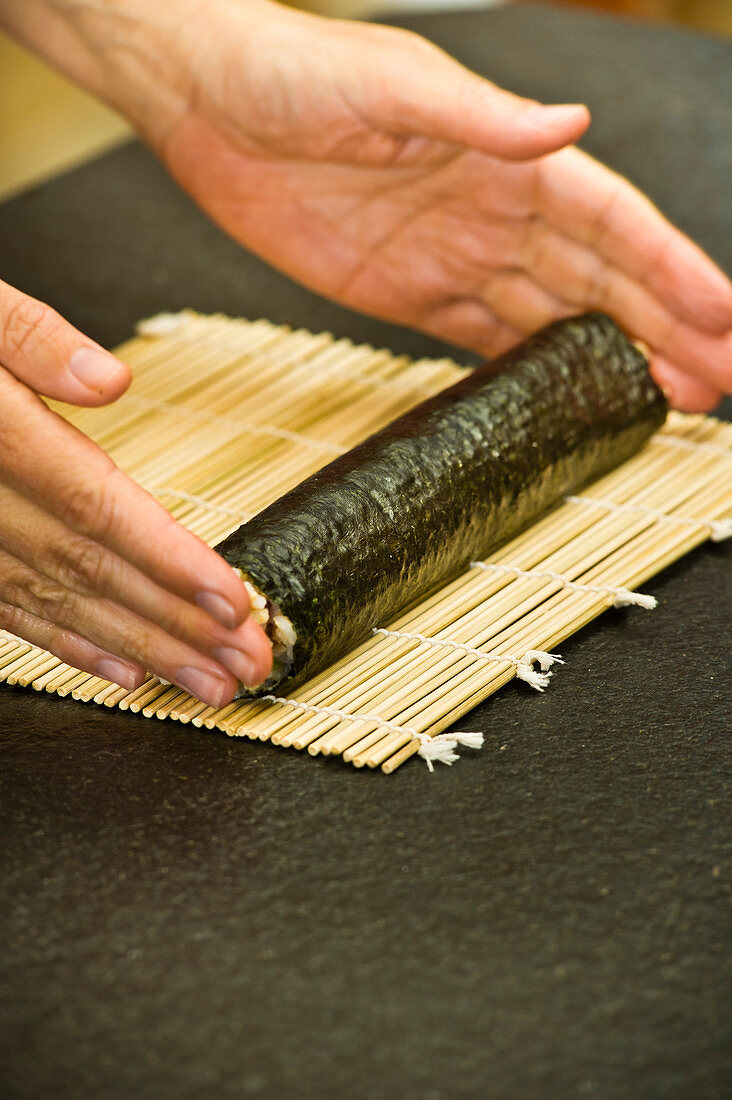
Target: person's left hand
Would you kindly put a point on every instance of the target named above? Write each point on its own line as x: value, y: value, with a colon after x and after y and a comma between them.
x: 370, y: 166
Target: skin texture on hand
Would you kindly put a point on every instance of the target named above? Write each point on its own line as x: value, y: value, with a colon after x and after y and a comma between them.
x: 365, y: 163
x: 92, y: 568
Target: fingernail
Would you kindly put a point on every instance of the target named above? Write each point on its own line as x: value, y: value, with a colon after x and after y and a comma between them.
x: 202, y: 684
x: 237, y: 663
x: 218, y: 607
x: 118, y: 672
x: 93, y: 368
x: 551, y: 113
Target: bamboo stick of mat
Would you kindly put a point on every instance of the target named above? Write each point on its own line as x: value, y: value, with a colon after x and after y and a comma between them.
x: 226, y: 415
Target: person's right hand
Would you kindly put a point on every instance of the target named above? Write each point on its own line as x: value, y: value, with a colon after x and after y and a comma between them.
x: 367, y: 164
x: 92, y: 568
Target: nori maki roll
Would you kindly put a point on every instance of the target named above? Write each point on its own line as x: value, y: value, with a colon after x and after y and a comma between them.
x: 410, y: 507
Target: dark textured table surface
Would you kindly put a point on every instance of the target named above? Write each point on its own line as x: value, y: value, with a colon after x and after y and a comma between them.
x: 189, y: 916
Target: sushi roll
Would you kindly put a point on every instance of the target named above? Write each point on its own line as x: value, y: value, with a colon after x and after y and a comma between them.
x: 409, y: 508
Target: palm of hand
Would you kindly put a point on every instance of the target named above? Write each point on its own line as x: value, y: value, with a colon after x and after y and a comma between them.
x: 419, y: 244
x: 474, y: 248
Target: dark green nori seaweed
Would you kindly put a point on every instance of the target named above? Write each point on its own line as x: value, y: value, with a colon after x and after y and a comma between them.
x: 414, y: 504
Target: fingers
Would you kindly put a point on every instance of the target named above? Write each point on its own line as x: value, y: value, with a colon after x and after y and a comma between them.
x: 137, y: 642
x: 511, y: 306
x: 466, y: 110
x: 519, y: 301
x: 683, y: 390
x: 89, y: 553
x: 121, y: 634
x: 581, y: 279
x: 47, y: 353
x: 83, y: 488
x: 422, y: 90
x: 70, y: 647
x: 594, y: 206
x: 704, y: 357
x: 90, y: 580
x: 469, y: 323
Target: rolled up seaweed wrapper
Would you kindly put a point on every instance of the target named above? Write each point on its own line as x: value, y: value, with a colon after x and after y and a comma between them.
x: 410, y: 507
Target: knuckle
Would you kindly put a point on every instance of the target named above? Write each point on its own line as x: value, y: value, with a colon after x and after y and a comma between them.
x: 51, y: 601
x: 91, y: 508
x: 138, y: 648
x: 175, y: 623
x: 596, y: 287
x: 411, y: 41
x: 535, y: 245
x: 27, y: 322
x: 37, y: 595
x: 84, y: 566
x: 11, y: 616
x: 400, y: 44
x: 180, y: 619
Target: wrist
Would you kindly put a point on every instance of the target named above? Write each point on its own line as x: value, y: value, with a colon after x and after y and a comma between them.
x: 140, y: 56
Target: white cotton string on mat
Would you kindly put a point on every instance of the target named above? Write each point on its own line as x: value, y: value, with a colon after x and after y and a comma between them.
x: 621, y: 597
x: 402, y: 691
x: 524, y: 665
x: 440, y: 747
x: 719, y: 529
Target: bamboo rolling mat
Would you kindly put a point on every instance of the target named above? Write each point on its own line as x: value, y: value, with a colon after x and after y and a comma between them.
x: 224, y: 416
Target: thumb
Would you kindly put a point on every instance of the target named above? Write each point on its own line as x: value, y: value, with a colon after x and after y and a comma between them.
x: 441, y: 99
x: 52, y: 357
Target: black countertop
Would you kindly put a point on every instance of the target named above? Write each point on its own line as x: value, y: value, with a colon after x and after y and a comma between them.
x: 190, y: 916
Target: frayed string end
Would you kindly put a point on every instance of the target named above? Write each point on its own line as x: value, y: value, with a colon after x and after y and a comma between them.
x: 525, y: 668
x: 625, y: 598
x: 442, y: 747
x: 721, y: 529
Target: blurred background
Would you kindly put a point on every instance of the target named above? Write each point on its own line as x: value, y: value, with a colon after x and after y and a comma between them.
x: 47, y: 124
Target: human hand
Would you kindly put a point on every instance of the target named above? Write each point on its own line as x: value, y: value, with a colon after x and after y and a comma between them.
x: 364, y: 162
x: 92, y: 568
